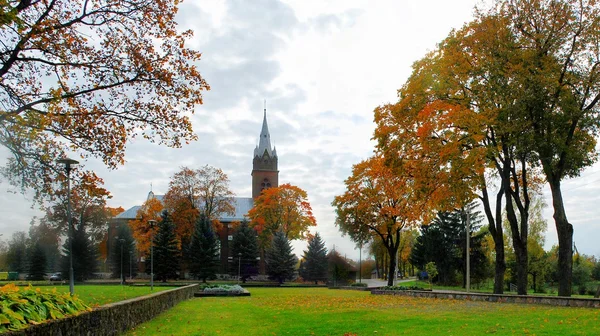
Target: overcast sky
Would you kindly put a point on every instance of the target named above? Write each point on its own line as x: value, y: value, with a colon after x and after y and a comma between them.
x: 322, y: 66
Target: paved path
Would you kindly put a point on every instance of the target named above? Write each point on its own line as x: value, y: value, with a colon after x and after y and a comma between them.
x: 380, y: 283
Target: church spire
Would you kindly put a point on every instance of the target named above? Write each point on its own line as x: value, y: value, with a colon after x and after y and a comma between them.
x: 264, y: 142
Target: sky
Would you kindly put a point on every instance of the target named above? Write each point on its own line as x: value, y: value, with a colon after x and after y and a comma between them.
x: 322, y: 67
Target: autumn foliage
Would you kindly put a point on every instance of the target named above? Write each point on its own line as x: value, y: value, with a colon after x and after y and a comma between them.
x: 141, y: 228
x: 88, y: 76
x: 284, y: 208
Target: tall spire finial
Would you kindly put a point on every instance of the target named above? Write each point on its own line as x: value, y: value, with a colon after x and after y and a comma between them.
x: 265, y: 107
x: 150, y: 186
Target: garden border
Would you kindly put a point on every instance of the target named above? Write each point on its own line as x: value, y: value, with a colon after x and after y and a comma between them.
x: 113, y: 318
x: 559, y: 301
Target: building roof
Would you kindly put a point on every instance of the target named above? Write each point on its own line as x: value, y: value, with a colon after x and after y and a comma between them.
x: 264, y: 142
x: 242, y: 206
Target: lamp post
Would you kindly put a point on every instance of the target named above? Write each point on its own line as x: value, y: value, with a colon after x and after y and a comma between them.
x: 68, y: 163
x: 151, y: 223
x: 122, y: 241
x: 239, y: 266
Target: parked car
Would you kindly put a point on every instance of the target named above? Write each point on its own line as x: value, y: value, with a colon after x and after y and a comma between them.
x: 56, y: 276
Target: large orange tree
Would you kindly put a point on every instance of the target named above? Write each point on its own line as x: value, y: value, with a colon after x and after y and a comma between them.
x: 284, y: 208
x: 88, y: 76
x: 381, y: 200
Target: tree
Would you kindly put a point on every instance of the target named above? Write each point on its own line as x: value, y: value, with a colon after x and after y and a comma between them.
x: 432, y: 272
x: 17, y: 252
x: 166, y: 253
x: 555, y: 46
x: 314, y: 265
x: 36, y: 269
x: 85, y: 255
x: 122, y: 254
x: 48, y: 239
x: 141, y: 228
x: 204, y: 250
x: 284, y: 208
x: 382, y: 200
x: 339, y: 269
x: 245, y: 247
x: 89, y: 77
x: 198, y: 191
x: 280, y: 260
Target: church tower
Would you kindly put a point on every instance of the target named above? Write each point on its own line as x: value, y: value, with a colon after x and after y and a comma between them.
x: 264, y: 164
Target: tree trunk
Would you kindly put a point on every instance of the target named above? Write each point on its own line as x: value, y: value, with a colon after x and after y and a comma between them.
x: 534, y: 276
x: 392, y: 252
x: 565, y: 240
x: 521, y: 259
x: 495, y: 228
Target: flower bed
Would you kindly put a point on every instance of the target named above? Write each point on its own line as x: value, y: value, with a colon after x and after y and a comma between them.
x: 221, y: 290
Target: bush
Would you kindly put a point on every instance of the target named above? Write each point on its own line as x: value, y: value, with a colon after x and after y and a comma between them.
x: 236, y: 289
x: 403, y: 288
x: 359, y: 284
x: 20, y: 307
x: 582, y: 290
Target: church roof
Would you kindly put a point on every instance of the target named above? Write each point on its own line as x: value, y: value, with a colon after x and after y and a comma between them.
x: 242, y: 206
x: 264, y: 142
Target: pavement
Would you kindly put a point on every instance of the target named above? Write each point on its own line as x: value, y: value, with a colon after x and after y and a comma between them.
x: 381, y: 283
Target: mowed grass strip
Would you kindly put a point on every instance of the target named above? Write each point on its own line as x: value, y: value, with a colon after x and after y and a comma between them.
x: 319, y: 311
x: 98, y: 295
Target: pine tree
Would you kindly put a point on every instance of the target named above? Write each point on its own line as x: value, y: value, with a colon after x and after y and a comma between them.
x: 314, y: 266
x: 280, y: 260
x: 204, y: 250
x: 37, y: 263
x: 245, y: 248
x: 85, y: 256
x: 166, y: 253
x: 123, y: 249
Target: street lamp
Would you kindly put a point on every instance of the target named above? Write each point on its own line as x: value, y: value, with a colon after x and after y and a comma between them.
x: 68, y: 163
x: 151, y: 223
x: 122, y: 241
x: 239, y: 266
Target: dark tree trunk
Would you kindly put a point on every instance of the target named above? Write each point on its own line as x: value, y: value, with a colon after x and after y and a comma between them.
x: 392, y: 250
x: 565, y: 240
x: 495, y: 228
x: 534, y: 276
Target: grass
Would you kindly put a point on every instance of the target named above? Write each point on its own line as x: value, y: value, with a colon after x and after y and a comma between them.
x: 319, y: 311
x: 98, y: 295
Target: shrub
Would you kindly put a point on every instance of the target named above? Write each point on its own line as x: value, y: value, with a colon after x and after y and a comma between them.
x: 22, y: 306
x: 403, y: 288
x: 236, y: 289
x: 359, y: 284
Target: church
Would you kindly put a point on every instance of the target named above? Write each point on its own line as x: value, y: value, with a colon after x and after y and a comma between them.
x: 264, y: 175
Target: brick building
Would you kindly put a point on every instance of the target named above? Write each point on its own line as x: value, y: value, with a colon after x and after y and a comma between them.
x: 264, y: 175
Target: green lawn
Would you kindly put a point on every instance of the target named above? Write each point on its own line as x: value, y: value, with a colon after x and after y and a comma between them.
x: 319, y: 311
x: 97, y: 295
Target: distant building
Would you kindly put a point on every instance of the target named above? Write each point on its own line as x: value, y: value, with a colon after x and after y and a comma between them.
x: 264, y: 175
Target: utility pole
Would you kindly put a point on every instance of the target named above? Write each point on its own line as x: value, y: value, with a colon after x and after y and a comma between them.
x: 468, y: 285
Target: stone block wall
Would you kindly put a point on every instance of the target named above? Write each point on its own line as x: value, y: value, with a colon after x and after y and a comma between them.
x: 112, y: 319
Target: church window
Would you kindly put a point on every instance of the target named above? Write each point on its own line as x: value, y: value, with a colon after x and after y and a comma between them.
x: 265, y: 184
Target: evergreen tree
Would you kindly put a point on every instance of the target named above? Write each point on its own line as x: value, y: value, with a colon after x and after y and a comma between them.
x: 314, y: 265
x: 166, y: 253
x: 37, y: 263
x: 17, y: 252
x: 85, y: 256
x: 339, y: 269
x: 245, y: 247
x: 280, y: 260
x: 444, y: 242
x: 204, y: 250
x: 123, y: 249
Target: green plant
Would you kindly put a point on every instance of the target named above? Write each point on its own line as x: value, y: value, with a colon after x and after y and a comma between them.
x: 22, y: 306
x: 359, y: 284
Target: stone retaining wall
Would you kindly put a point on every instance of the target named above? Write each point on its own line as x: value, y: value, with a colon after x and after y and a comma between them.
x: 544, y: 300
x: 113, y: 318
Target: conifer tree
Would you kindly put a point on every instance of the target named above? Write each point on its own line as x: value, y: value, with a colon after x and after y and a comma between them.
x: 314, y: 266
x: 123, y: 251
x: 280, y: 260
x: 245, y: 248
x: 166, y: 253
x: 204, y: 250
x: 37, y: 263
x: 85, y: 256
